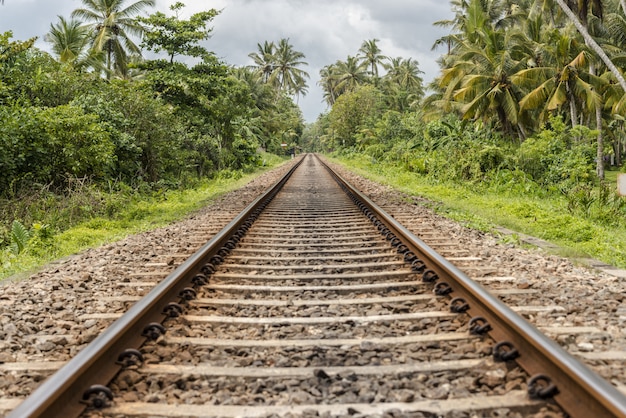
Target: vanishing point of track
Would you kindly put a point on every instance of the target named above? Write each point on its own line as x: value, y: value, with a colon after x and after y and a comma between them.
x: 314, y: 299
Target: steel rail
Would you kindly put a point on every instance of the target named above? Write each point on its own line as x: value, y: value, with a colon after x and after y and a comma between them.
x: 65, y: 393
x: 581, y: 392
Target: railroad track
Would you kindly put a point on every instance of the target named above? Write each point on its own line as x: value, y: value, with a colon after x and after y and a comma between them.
x: 315, y: 303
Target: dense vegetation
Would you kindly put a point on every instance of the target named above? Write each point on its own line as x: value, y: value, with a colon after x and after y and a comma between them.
x: 529, y: 104
x: 523, y: 107
x: 94, y: 125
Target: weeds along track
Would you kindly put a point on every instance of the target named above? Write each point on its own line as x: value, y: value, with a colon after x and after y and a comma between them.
x: 315, y: 302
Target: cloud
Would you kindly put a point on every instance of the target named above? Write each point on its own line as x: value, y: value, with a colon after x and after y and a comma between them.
x: 324, y: 30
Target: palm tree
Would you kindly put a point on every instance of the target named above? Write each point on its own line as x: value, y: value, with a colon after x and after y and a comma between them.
x: 371, y: 55
x: 403, y: 83
x: 566, y: 82
x: 480, y: 66
x: 69, y: 39
x: 328, y: 83
x: 264, y: 59
x: 349, y: 74
x: 405, y: 73
x: 341, y: 77
x: 592, y: 43
x: 286, y: 75
x: 603, y: 56
x: 113, y: 24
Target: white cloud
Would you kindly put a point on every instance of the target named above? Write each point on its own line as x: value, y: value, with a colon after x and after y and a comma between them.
x: 324, y: 30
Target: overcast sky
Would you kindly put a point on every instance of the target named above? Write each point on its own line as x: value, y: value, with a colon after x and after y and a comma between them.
x: 324, y: 30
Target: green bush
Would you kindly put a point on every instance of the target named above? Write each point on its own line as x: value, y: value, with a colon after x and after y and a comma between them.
x: 554, y: 157
x: 50, y: 145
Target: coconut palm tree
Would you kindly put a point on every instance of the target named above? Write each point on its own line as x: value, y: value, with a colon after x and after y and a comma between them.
x: 370, y: 54
x: 405, y: 73
x: 112, y: 25
x: 592, y: 43
x: 478, y: 79
x: 582, y: 28
x: 349, y: 74
x: 328, y: 83
x: 286, y: 75
x: 264, y: 59
x: 567, y: 81
x: 69, y: 39
x: 403, y: 83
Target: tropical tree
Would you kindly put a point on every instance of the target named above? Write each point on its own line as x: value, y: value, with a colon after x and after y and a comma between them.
x: 563, y: 79
x: 348, y: 75
x: 264, y: 59
x: 479, y: 79
x: 112, y: 26
x: 404, y: 82
x: 177, y: 36
x: 405, y: 72
x: 591, y: 42
x: 597, y: 7
x: 370, y: 54
x: 286, y: 74
x: 328, y: 84
x: 70, y: 41
x: 279, y: 65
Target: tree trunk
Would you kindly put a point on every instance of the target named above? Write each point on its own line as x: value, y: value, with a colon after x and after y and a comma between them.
x: 600, y: 149
x: 600, y: 152
x: 623, y: 3
x: 109, y: 53
x: 618, y: 150
x: 522, y: 133
x: 593, y: 44
x: 573, y: 114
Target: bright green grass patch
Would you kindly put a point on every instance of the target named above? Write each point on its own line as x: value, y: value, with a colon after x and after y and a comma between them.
x: 542, y: 217
x: 138, y: 214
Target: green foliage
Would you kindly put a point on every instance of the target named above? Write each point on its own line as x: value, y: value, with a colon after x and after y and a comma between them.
x: 177, y: 36
x: 353, y: 113
x: 555, y: 157
x: 144, y: 131
x: 75, y: 147
x: 19, y: 237
x: 602, y: 203
x: 48, y: 145
x: 535, y: 213
x: 89, y: 217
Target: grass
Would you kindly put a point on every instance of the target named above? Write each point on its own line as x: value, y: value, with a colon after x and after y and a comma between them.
x: 544, y: 217
x: 136, y: 215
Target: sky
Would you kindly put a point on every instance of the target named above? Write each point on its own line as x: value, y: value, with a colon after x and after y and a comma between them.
x: 324, y: 30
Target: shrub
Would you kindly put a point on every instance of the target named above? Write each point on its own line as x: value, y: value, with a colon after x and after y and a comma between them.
x: 554, y: 157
